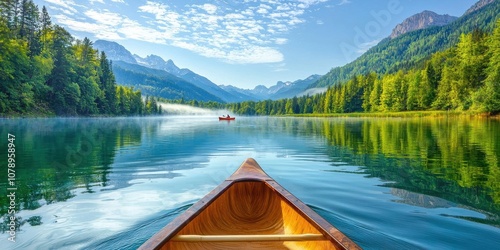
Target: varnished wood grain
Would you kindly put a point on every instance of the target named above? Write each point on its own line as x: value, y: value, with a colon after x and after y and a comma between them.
x: 250, y: 203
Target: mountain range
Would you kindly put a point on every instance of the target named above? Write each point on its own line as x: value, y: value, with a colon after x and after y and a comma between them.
x: 155, y: 76
x: 279, y: 91
x: 410, y: 43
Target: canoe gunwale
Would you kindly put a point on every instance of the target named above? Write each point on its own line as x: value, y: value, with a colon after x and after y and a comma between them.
x: 249, y: 171
x: 169, y: 231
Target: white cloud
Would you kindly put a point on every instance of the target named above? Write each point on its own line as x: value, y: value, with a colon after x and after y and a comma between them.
x: 158, y: 9
x: 244, y: 55
x: 292, y: 21
x: 262, y: 11
x: 99, y: 1
x: 248, y: 32
x: 344, y: 2
x: 108, y: 35
x: 255, y: 54
x: 166, y: 20
x: 312, y: 2
x: 248, y: 12
x: 101, y: 31
x: 134, y: 30
x: 279, y: 67
x: 105, y: 17
x: 65, y: 4
x: 265, y: 6
x: 283, y: 7
x: 63, y: 10
x: 112, y: 26
x: 209, y: 8
x: 277, y: 27
x: 234, y: 16
x: 281, y: 41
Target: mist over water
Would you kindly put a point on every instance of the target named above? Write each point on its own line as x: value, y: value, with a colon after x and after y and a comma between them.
x: 180, y: 109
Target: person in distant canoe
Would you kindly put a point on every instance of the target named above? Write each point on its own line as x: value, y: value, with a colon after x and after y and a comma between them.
x: 228, y: 116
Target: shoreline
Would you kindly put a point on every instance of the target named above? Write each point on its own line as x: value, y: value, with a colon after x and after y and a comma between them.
x: 399, y: 114
x: 402, y: 114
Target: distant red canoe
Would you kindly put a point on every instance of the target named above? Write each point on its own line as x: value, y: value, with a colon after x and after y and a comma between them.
x: 226, y: 118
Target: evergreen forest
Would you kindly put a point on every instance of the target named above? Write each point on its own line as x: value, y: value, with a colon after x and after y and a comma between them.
x: 45, y: 71
x: 465, y: 77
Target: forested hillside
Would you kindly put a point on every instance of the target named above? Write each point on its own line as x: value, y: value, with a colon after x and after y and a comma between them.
x: 414, y: 48
x: 44, y: 70
x: 159, y: 83
x: 465, y: 77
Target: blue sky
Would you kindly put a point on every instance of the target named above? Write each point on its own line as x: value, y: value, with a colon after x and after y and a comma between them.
x: 247, y: 42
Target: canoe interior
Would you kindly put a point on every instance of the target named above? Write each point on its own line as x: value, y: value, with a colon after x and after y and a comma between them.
x: 239, y: 211
x: 249, y: 207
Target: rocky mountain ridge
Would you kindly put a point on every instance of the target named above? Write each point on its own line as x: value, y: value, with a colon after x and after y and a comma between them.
x: 420, y: 21
x: 479, y: 5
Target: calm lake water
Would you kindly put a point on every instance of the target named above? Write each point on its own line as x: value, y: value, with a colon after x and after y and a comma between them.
x: 111, y: 183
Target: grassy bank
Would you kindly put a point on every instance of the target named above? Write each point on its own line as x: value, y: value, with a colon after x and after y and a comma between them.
x: 34, y: 113
x: 408, y: 114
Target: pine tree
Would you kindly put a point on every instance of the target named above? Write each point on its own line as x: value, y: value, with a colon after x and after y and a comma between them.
x: 64, y: 94
x: 328, y: 101
x: 339, y: 100
x: 86, y: 76
x: 15, y: 90
x: 488, y: 97
x: 428, y: 87
x: 471, y: 52
x: 46, y: 26
x: 413, y: 92
x: 375, y: 96
x: 9, y: 10
x: 389, y: 93
x: 107, y: 101
x: 368, y: 85
x: 444, y: 94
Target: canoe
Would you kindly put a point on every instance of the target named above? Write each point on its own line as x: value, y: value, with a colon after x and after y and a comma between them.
x: 226, y: 118
x: 249, y: 210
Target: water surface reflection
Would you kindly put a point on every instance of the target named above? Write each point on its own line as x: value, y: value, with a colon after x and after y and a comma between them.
x: 387, y: 183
